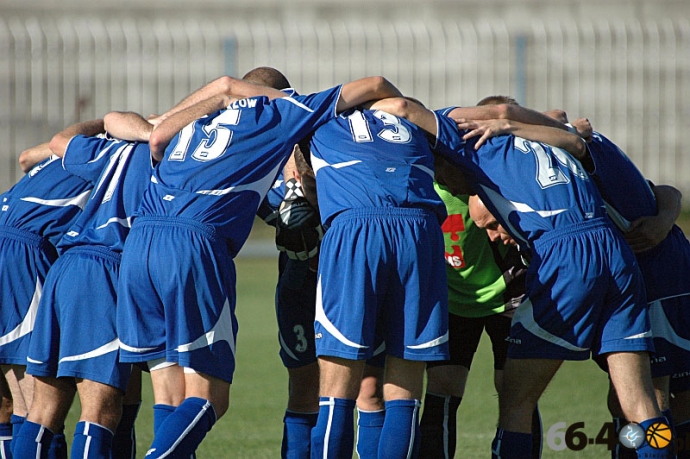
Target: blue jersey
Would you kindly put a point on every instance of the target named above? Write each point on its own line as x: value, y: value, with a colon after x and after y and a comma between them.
x: 367, y: 159
x: 530, y: 187
x: 120, y: 172
x: 217, y: 170
x: 628, y: 197
x: 45, y: 201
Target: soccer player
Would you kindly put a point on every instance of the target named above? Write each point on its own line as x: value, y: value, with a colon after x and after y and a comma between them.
x: 218, y: 160
x: 485, y: 285
x: 584, y: 289
x: 295, y: 308
x: 636, y: 209
x: 34, y: 214
x: 381, y: 274
x: 68, y: 345
x: 627, y: 360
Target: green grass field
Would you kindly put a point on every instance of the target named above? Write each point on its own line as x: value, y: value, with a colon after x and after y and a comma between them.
x: 252, y: 428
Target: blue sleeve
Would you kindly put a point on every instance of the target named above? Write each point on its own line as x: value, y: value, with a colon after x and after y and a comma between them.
x: 449, y: 141
x: 86, y: 157
x: 307, y: 113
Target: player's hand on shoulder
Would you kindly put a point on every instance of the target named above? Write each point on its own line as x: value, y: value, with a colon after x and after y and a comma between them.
x: 298, y: 227
x: 646, y: 233
x: 583, y: 128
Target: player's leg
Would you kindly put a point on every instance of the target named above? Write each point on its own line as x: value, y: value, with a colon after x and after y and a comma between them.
x: 302, y: 411
x: 52, y: 401
x: 631, y: 377
x: 402, y: 391
x: 206, y: 399
x: 524, y: 380
x: 5, y: 418
x: 339, y: 385
x: 125, y: 440
x: 295, y: 302
x: 498, y: 329
x: 101, y: 409
x: 370, y: 409
x: 445, y: 387
x: 168, y: 385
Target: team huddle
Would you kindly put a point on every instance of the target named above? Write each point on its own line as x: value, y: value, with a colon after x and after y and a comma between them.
x: 404, y: 234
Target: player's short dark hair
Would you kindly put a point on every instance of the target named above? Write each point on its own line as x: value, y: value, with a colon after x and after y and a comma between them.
x: 497, y: 100
x: 267, y: 76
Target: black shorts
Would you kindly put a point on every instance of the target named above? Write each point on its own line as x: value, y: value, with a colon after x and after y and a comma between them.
x: 465, y: 333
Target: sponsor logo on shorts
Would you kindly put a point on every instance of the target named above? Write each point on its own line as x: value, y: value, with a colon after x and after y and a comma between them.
x: 318, y: 336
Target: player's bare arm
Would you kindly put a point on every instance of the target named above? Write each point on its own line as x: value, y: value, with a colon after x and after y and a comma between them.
x: 34, y: 155
x: 365, y: 89
x: 647, y: 232
x: 128, y: 126
x: 58, y: 144
x: 169, y: 127
x: 410, y: 110
x: 505, y: 111
x: 572, y: 143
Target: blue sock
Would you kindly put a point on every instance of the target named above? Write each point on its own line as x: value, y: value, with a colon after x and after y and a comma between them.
x: 125, y: 440
x: 657, y: 445
x: 400, y: 434
x: 334, y: 431
x: 184, y: 429
x: 6, y: 440
x: 91, y: 441
x: 58, y: 445
x: 511, y: 445
x: 33, y: 440
x: 369, y: 425
x: 160, y: 414
x: 297, y: 434
x: 17, y: 423
x: 683, y: 440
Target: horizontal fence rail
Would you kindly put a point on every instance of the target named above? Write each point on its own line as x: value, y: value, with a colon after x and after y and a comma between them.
x: 630, y: 78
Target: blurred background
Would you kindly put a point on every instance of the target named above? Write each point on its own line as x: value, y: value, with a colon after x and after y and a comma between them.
x: 623, y: 64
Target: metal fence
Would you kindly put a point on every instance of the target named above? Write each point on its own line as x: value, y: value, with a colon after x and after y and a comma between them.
x: 631, y: 78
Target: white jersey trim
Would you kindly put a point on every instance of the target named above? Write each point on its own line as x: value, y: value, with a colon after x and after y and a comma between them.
x: 27, y: 324
x: 524, y: 314
x: 107, y: 348
x: 320, y: 317
x: 221, y: 331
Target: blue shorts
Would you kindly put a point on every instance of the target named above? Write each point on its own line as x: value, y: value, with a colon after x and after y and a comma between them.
x: 585, y: 296
x: 30, y: 257
x: 670, y: 320
x: 176, y: 296
x: 295, y: 308
x: 382, y: 274
x: 75, y: 327
x: 667, y: 284
x: 295, y: 300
